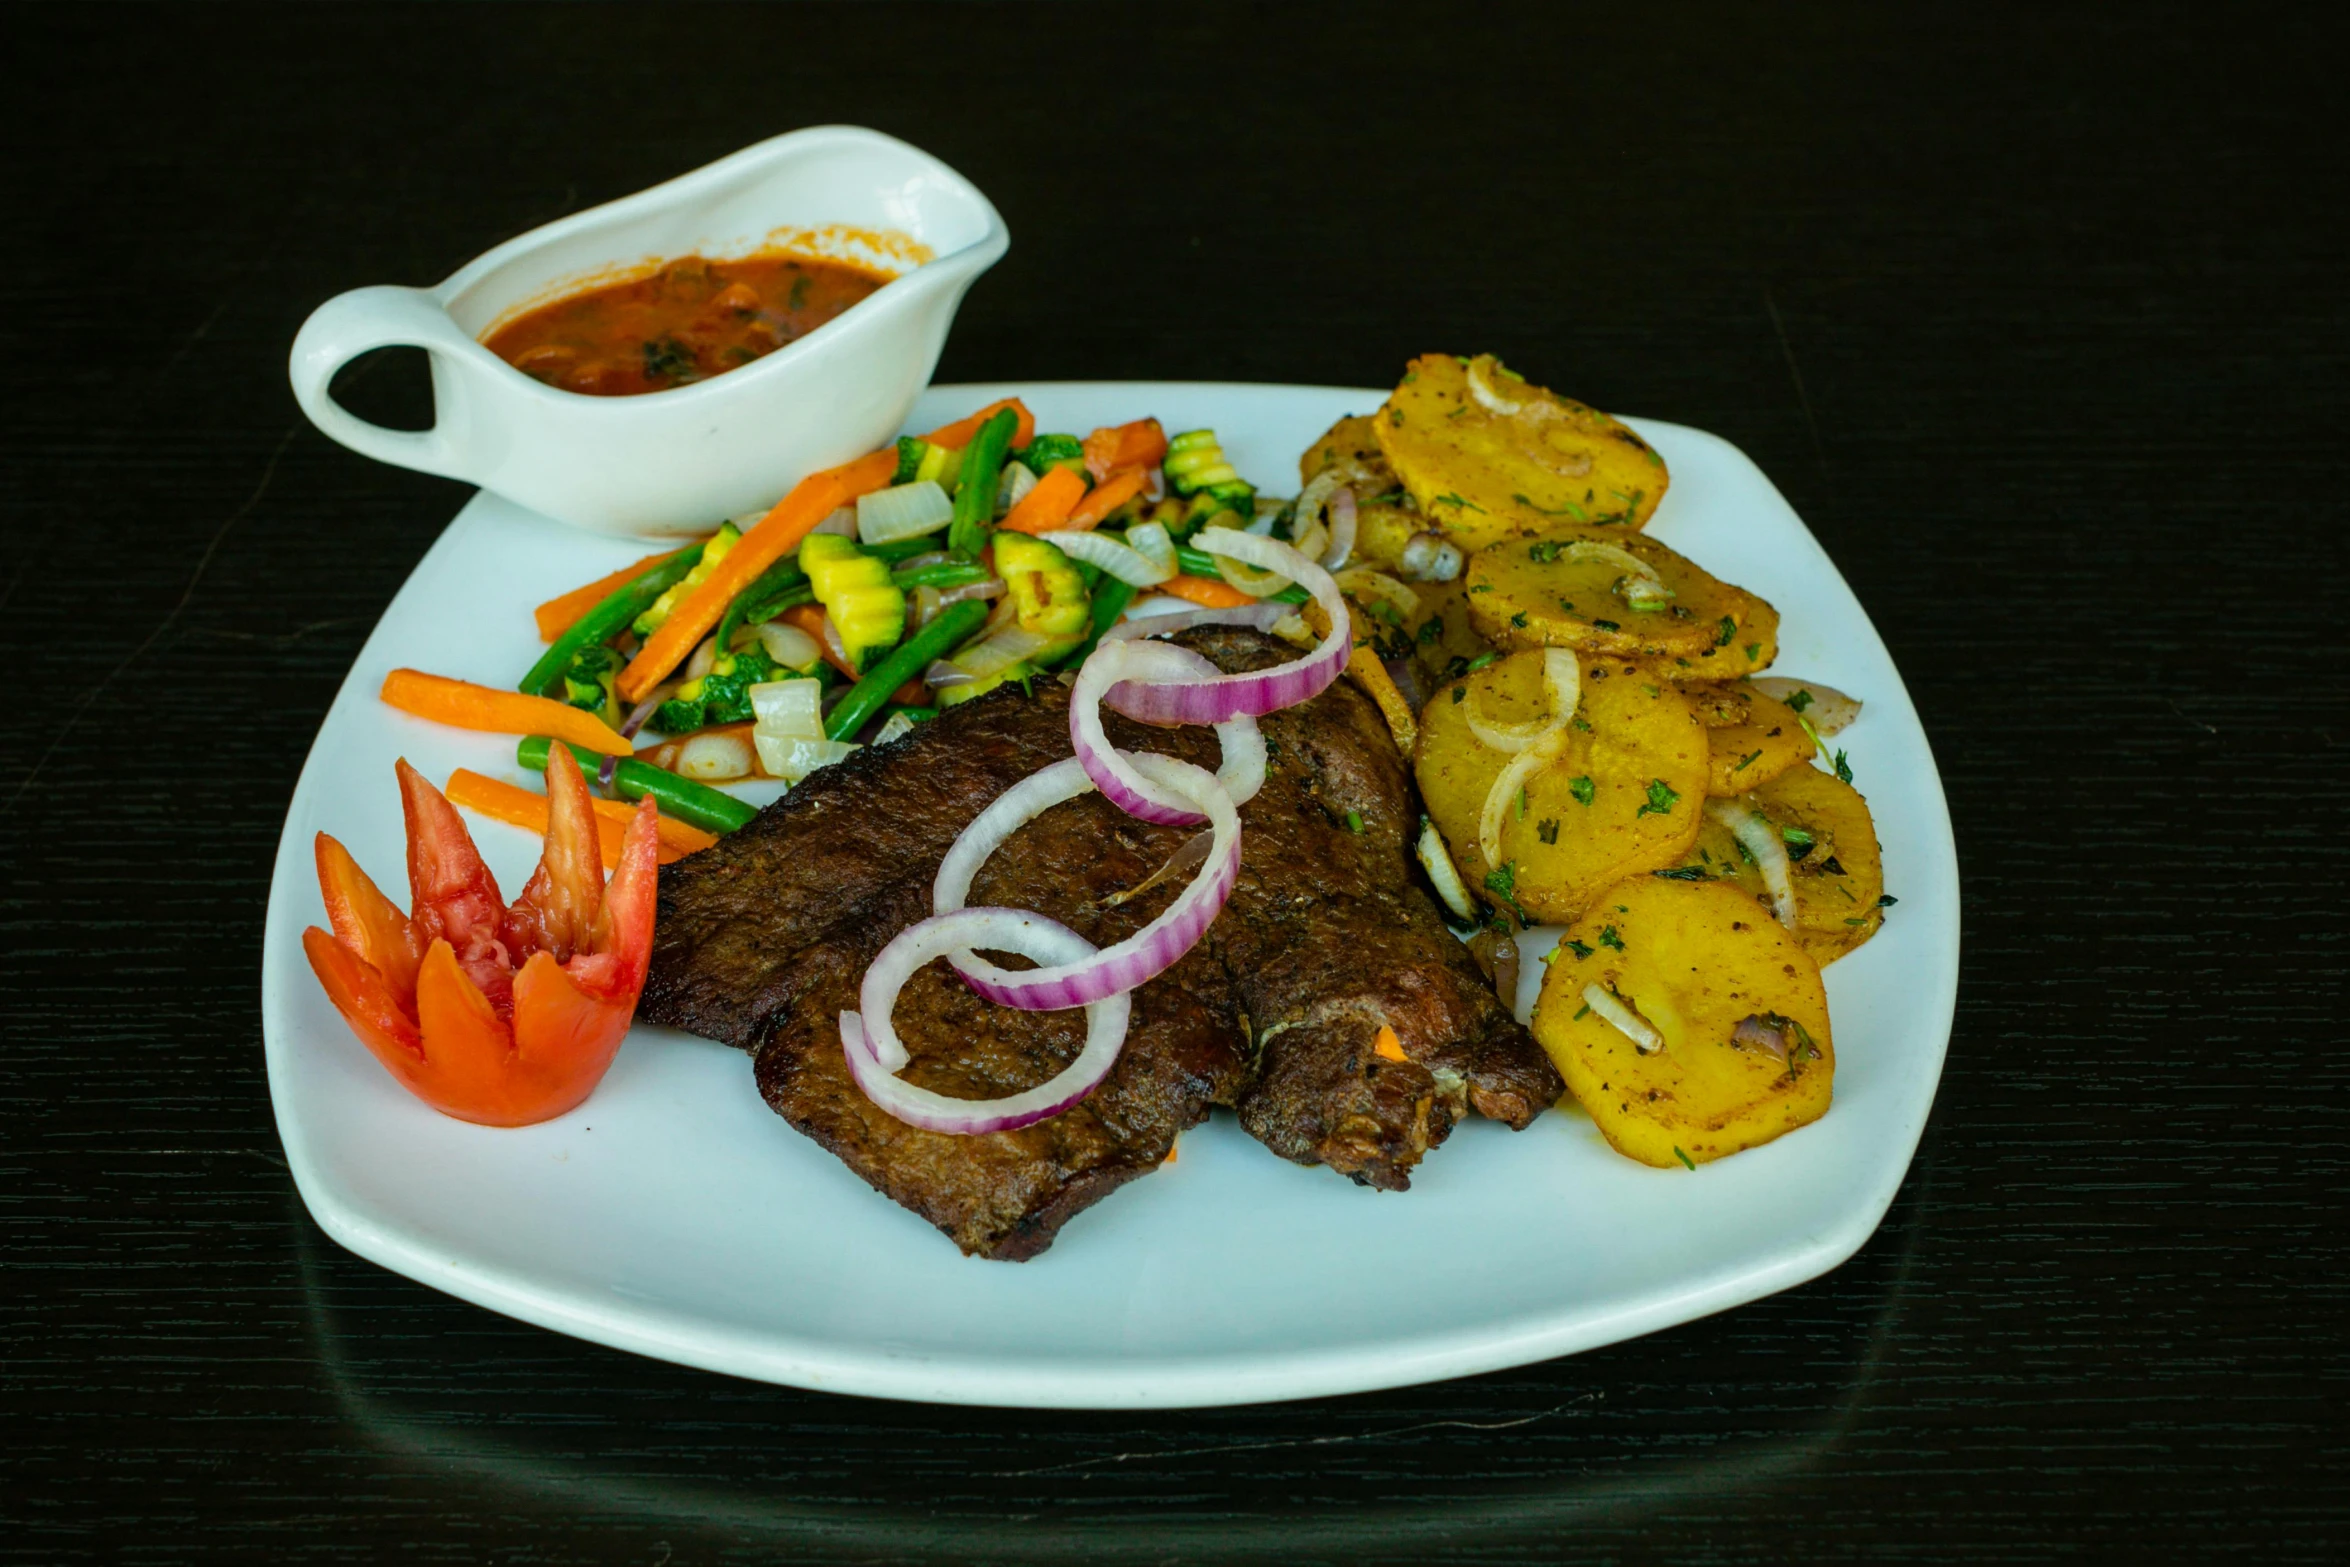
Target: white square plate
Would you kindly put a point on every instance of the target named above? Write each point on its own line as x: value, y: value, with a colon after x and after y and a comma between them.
x: 676, y: 1216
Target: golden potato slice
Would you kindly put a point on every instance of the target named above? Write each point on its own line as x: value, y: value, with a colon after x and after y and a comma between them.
x: 1834, y: 866
x: 1623, y: 595
x: 1623, y: 794
x: 1750, y: 739
x: 1485, y: 474
x: 1385, y: 516
x: 1735, y: 1004
x: 1352, y: 447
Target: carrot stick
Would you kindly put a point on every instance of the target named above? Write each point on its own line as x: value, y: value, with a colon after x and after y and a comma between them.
x: 811, y: 620
x: 778, y: 533
x: 1205, y: 591
x: 558, y: 615
x: 1048, y: 505
x: 1142, y: 444
x: 505, y: 802
x: 1112, y: 493
x: 1387, y: 1045
x: 958, y: 434
x: 464, y: 705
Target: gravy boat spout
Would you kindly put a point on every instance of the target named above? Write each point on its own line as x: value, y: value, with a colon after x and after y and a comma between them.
x: 679, y: 461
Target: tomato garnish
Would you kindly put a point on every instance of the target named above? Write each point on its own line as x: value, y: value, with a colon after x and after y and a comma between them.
x: 504, y: 1014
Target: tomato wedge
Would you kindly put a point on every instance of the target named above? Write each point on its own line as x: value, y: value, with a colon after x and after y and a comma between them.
x: 498, y: 1013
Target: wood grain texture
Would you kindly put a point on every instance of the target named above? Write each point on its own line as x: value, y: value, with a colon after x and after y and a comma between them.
x: 2035, y: 313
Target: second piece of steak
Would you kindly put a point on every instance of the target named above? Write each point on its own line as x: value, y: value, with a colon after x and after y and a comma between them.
x: 1278, y: 1011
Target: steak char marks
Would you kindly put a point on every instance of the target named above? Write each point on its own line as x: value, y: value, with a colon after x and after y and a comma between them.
x: 763, y: 941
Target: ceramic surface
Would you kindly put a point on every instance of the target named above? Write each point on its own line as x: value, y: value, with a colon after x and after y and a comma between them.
x: 684, y: 459
x: 675, y: 1215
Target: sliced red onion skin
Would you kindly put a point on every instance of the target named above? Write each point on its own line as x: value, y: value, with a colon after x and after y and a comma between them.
x: 1256, y: 617
x: 1222, y: 698
x: 1242, y: 774
x: 875, y: 1054
x: 1141, y: 957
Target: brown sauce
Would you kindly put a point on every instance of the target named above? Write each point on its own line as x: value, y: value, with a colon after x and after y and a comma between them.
x: 690, y: 320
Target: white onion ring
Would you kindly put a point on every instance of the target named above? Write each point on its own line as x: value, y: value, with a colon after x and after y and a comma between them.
x: 1762, y: 840
x: 1241, y: 775
x: 1128, y: 564
x: 1436, y: 860
x: 1141, y: 957
x: 1221, y: 698
x: 1563, y: 676
x: 1343, y: 524
x: 876, y: 1055
x: 1505, y: 789
x: 1625, y: 1021
x: 1487, y: 398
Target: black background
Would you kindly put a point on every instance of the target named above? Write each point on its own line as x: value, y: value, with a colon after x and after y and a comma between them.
x: 2035, y: 313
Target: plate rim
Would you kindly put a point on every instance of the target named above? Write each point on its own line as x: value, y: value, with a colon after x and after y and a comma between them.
x: 1238, y: 1377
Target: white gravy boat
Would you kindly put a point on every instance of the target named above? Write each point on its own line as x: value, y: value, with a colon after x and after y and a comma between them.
x: 679, y: 461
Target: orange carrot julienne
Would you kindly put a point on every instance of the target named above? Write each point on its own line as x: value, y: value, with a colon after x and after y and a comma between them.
x: 778, y: 533
x: 811, y: 620
x: 558, y: 615
x: 1048, y: 505
x: 1142, y: 444
x: 1206, y: 592
x: 463, y: 705
x: 1388, y: 1046
x: 505, y: 802
x: 1112, y: 493
x: 958, y: 434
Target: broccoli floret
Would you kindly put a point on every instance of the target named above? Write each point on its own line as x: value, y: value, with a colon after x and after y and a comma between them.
x: 589, y: 682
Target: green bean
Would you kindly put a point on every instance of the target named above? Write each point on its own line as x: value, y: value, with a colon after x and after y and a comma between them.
x: 682, y: 798
x: 605, y: 621
x: 983, y: 470
x: 768, y: 596
x: 1201, y: 564
x: 907, y: 549
x: 909, y: 659
x: 943, y: 574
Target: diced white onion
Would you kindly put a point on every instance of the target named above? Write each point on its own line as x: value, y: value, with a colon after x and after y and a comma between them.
x: 897, y: 726
x: 794, y: 759
x: 1437, y: 861
x: 789, y: 709
x: 1122, y: 561
x: 714, y: 758
x: 1627, y: 1022
x: 1431, y: 557
x: 1761, y: 839
x: 789, y: 646
x: 905, y: 512
x: 842, y: 521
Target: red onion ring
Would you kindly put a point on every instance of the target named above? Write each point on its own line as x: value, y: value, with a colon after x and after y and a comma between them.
x: 1219, y: 699
x: 1141, y: 957
x: 1243, y: 770
x: 876, y: 1055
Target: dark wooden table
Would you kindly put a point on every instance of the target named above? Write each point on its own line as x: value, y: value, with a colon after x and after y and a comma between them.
x: 2035, y: 313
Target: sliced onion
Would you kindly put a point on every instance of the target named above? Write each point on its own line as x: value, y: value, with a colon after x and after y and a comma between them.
x: 988, y: 588
x: 1153, y: 543
x: 1482, y: 390
x: 1220, y: 698
x: 714, y: 758
x: 1142, y: 956
x: 789, y: 709
x: 1436, y: 860
x: 1113, y: 771
x: 1431, y: 557
x: 789, y: 646
x: 876, y: 1054
x: 896, y: 727
x: 1256, y: 617
x: 1504, y: 792
x: 1828, y: 712
x: 1343, y: 525
x: 925, y: 605
x: 1363, y: 583
x: 704, y: 659
x: 1123, y: 561
x: 942, y: 674
x: 1646, y: 591
x: 1760, y: 839
x: 1311, y: 538
x: 1001, y: 651
x: 1018, y: 479
x: 832, y: 641
x: 1562, y: 677
x: 1627, y: 1022
x: 904, y: 511
x: 792, y: 759
x: 843, y: 522
x: 1252, y: 580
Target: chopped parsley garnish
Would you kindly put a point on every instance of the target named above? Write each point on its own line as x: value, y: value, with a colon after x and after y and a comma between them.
x: 1753, y: 651
x: 1570, y: 509
x: 1544, y: 553
x: 1799, y: 700
x: 1607, y: 625
x: 1458, y: 693
x: 1518, y: 621
x: 1725, y: 631
x: 1583, y: 789
x: 1503, y: 884
x: 1662, y: 797
x: 1582, y: 1011
x: 1546, y: 829
x: 1521, y: 802
x: 1395, y: 417
x: 1683, y: 873
x: 1609, y: 938
x: 1482, y: 659
x: 1577, y: 948
x: 1746, y: 761
x: 1886, y: 900
x: 1460, y: 502
x: 1431, y: 631
x: 1843, y: 768
x: 1354, y: 822
x: 1684, y: 1158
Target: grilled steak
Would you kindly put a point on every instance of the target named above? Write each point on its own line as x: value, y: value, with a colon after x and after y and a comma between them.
x: 762, y: 941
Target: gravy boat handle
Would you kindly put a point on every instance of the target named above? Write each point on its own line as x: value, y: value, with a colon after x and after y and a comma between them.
x: 349, y: 325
